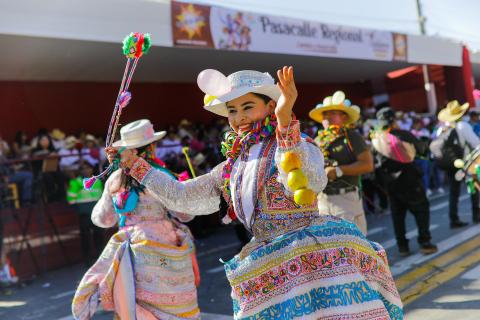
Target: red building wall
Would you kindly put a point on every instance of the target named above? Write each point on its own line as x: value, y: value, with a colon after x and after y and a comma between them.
x: 406, y: 92
x: 79, y: 106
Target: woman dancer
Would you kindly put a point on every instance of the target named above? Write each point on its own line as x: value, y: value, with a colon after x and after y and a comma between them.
x: 147, y: 270
x: 299, y: 264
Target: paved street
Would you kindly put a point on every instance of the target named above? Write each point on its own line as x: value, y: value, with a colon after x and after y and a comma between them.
x: 441, y: 286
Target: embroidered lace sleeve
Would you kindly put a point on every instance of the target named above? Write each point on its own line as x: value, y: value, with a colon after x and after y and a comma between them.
x: 199, y: 196
x: 310, y: 154
x: 103, y: 214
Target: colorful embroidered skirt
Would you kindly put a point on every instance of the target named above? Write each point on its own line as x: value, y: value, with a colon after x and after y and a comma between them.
x: 327, y: 270
x: 163, y: 284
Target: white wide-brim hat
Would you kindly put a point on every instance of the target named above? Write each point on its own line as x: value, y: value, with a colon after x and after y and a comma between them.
x: 220, y: 89
x: 138, y: 134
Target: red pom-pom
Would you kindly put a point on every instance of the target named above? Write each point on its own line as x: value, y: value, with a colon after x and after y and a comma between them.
x: 183, y: 176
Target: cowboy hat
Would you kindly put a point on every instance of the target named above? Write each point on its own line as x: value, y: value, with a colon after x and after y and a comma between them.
x: 453, y: 111
x: 386, y: 115
x: 184, y: 122
x: 220, y: 89
x: 90, y: 137
x: 138, y: 134
x: 70, y: 142
x: 57, y: 134
x: 199, y: 159
x: 336, y: 102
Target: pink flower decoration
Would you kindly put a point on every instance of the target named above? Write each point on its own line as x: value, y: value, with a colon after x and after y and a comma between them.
x: 149, y: 133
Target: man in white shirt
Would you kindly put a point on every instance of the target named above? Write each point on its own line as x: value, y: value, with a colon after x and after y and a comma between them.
x: 90, y: 153
x: 169, y: 145
x: 452, y: 115
x: 70, y: 157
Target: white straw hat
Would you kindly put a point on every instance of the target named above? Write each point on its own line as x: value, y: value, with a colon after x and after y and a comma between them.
x: 138, y: 134
x: 220, y: 89
x: 453, y: 111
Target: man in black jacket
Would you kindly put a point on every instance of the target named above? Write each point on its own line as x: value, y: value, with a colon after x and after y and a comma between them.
x: 405, y: 189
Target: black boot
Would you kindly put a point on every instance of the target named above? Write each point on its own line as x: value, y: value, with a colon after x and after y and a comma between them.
x: 428, y: 248
x: 403, y: 250
x: 458, y: 224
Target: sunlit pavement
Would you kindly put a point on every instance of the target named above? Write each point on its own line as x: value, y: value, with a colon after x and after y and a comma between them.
x: 440, y: 286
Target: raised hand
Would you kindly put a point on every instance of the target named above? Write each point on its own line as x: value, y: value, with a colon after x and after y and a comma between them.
x: 127, y: 157
x: 111, y: 154
x: 286, y: 84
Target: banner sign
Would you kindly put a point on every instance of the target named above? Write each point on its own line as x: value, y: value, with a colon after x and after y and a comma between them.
x: 195, y: 25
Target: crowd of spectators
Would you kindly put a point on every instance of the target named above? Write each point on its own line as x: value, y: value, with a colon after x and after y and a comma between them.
x: 53, y: 163
x: 23, y: 160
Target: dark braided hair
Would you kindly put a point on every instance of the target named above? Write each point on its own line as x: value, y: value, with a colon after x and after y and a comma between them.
x: 130, y: 183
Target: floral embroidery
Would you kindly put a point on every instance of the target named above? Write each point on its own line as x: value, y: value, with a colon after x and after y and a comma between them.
x: 140, y: 169
x: 288, y: 138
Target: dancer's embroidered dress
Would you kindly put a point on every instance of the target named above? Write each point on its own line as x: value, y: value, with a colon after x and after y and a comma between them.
x: 147, y: 269
x: 299, y: 264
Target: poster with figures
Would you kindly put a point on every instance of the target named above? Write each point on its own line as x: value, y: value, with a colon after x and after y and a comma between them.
x: 231, y: 30
x: 228, y: 29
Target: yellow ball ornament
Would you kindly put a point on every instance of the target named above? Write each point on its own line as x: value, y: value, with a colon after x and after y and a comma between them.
x: 304, y: 197
x: 290, y: 161
x: 297, y: 180
x: 459, y: 163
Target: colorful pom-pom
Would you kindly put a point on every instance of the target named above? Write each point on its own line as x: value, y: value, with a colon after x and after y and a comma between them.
x: 124, y: 100
x: 89, y: 182
x: 121, y: 199
x: 136, y: 44
x: 183, y: 176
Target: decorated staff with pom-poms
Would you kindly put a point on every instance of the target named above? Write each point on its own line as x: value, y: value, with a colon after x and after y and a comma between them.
x: 148, y: 268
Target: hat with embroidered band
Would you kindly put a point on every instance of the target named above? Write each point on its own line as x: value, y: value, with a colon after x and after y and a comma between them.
x: 336, y: 102
x: 220, y: 89
x: 138, y: 134
x: 453, y: 111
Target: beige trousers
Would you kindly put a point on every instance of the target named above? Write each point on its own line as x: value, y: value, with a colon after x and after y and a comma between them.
x: 347, y: 206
